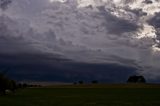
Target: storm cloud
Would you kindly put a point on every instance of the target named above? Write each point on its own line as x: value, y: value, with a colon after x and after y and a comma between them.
x: 120, y: 32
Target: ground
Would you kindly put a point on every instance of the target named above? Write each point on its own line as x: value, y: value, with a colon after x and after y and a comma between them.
x: 85, y: 95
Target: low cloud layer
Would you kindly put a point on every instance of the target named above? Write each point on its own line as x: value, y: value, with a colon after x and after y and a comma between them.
x: 117, y: 32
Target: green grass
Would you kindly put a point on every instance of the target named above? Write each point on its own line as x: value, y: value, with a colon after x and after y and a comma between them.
x: 83, y: 96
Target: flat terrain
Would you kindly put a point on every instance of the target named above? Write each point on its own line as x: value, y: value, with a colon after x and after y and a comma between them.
x: 85, y: 95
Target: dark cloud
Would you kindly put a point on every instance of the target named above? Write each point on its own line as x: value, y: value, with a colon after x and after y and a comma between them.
x: 137, y: 12
x: 4, y: 4
x: 148, y: 1
x: 63, y: 41
x: 117, y: 25
x: 155, y: 22
x: 38, y: 67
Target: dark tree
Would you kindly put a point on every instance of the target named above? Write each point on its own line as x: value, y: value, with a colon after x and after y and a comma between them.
x: 6, y: 84
x: 94, y: 82
x: 80, y: 82
x: 12, y: 85
x: 4, y: 4
x: 136, y: 79
x: 19, y: 85
x: 25, y: 85
x: 75, y: 83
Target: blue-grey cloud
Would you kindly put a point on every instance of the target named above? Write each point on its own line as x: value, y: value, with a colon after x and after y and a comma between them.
x: 116, y: 25
x: 86, y: 31
x: 36, y: 67
x: 148, y: 1
x: 155, y: 22
x: 4, y: 4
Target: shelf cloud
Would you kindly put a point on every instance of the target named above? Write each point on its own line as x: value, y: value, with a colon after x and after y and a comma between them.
x: 120, y: 32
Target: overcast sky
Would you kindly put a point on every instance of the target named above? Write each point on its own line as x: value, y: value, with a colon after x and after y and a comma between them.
x: 120, y: 32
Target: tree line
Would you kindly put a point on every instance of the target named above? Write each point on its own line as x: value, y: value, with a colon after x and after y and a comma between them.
x: 10, y: 86
x: 6, y: 84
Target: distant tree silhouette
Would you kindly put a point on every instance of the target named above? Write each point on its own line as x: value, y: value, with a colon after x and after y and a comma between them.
x: 80, y: 82
x: 6, y: 84
x: 3, y: 84
x: 12, y: 85
x: 25, y: 85
x: 75, y: 83
x: 136, y: 79
x: 94, y: 82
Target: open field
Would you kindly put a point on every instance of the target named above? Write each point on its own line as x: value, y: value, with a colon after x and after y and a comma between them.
x: 85, y: 95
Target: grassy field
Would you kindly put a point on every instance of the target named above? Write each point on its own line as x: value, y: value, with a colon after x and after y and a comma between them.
x: 103, y: 95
